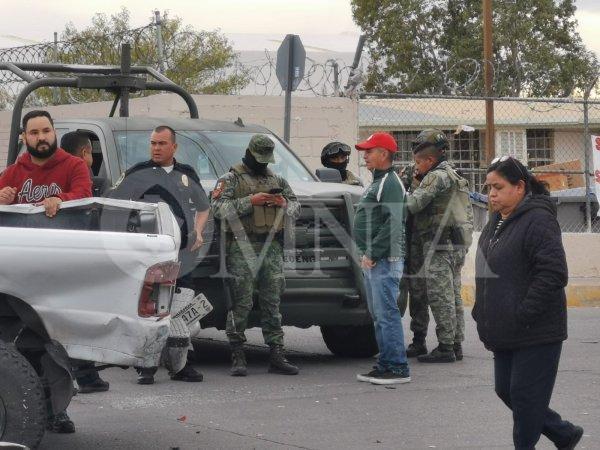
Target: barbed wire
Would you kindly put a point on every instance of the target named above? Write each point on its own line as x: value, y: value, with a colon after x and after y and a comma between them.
x: 460, y: 76
x: 324, y: 79
x: 464, y: 76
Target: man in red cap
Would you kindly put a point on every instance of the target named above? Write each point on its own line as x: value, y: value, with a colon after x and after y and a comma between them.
x: 379, y: 235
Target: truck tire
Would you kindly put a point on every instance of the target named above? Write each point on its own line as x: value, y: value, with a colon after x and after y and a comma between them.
x: 22, y: 402
x: 350, y: 341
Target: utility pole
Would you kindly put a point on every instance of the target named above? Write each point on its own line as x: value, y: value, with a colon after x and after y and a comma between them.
x: 488, y: 71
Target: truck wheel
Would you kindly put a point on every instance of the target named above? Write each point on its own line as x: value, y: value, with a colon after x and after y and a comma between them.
x: 350, y: 341
x: 22, y: 402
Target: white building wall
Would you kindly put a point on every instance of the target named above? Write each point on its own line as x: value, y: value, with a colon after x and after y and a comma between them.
x: 315, y: 121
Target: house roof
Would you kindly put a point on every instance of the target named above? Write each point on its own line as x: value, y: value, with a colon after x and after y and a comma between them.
x: 409, y: 113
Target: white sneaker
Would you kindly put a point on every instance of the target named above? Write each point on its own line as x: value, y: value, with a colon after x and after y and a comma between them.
x: 387, y: 377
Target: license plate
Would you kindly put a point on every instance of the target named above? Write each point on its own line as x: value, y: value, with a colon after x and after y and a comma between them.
x: 194, y: 310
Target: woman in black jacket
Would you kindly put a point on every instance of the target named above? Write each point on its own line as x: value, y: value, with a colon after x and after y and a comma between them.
x: 520, y: 304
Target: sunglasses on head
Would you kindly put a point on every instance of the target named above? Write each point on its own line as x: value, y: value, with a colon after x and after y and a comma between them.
x: 501, y: 159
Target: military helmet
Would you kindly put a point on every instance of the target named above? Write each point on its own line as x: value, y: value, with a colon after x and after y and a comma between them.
x: 261, y: 147
x: 332, y: 149
x: 428, y: 138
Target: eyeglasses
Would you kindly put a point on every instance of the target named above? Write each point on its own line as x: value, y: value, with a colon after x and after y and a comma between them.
x: 500, y: 159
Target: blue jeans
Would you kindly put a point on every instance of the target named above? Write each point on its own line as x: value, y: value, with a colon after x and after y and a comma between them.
x: 382, y: 285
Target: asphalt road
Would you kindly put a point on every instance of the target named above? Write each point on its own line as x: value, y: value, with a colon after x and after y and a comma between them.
x: 445, y: 406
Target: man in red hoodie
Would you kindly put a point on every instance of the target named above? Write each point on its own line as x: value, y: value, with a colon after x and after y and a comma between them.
x: 46, y: 175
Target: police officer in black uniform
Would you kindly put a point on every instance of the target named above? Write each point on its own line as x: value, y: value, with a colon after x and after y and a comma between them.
x: 162, y: 178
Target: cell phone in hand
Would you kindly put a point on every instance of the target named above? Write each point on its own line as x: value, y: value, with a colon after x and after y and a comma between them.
x: 276, y: 191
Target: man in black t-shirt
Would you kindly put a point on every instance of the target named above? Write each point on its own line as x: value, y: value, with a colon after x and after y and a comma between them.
x: 162, y: 178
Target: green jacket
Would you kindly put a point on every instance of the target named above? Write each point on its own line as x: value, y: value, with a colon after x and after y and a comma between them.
x: 379, y: 218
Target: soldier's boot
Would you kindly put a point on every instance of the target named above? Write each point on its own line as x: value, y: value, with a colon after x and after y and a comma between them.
x: 441, y: 354
x: 60, y: 423
x: 279, y: 364
x: 417, y: 347
x: 239, y: 367
x: 458, y: 352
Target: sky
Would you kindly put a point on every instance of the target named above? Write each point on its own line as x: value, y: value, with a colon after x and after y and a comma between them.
x: 323, y: 23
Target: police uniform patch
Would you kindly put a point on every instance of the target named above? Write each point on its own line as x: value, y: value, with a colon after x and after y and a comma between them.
x: 218, y: 190
x: 185, y: 180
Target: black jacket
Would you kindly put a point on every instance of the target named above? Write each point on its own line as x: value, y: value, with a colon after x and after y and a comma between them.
x: 521, y: 273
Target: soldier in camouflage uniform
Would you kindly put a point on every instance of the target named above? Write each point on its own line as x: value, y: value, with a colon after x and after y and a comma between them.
x: 407, y: 176
x: 336, y: 155
x: 255, y: 207
x: 442, y: 225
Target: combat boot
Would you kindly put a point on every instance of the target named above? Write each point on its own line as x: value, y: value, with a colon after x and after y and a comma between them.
x: 60, y: 423
x: 239, y: 367
x: 417, y: 347
x: 441, y: 354
x: 279, y: 364
x: 458, y: 353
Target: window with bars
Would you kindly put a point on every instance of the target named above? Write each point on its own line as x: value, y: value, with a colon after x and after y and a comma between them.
x: 465, y: 152
x: 540, y: 147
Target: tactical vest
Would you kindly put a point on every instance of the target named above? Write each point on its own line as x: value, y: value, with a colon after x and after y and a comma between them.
x: 263, y: 218
x: 450, y: 214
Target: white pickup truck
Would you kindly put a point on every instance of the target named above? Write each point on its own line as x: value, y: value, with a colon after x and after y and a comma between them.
x: 94, y: 283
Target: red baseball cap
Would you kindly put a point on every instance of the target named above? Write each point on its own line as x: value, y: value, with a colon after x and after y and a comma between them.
x: 383, y: 140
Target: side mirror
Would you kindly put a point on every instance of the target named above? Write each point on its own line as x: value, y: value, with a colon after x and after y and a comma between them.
x: 328, y: 175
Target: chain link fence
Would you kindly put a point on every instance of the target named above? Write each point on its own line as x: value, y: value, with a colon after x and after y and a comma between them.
x: 321, y: 78
x: 549, y: 136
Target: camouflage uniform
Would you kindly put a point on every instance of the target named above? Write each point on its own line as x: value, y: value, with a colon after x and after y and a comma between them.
x: 254, y: 250
x: 242, y: 264
x: 405, y: 296
x: 434, y: 262
x: 443, y: 274
x: 352, y: 179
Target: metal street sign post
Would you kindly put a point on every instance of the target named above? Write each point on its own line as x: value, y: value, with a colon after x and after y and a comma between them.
x: 291, y: 57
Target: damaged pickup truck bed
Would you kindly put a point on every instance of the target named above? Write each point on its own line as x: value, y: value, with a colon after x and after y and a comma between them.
x: 93, y: 283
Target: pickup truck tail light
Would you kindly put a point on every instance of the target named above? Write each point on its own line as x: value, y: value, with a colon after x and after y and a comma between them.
x: 158, y: 277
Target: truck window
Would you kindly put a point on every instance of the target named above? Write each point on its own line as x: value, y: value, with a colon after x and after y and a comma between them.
x: 134, y: 147
x: 232, y: 146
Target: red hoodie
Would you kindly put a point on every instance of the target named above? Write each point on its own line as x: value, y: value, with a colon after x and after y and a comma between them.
x: 64, y: 176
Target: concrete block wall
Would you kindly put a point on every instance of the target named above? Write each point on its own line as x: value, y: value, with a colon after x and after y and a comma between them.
x: 315, y: 121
